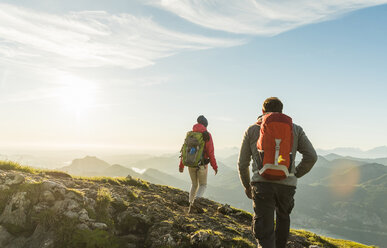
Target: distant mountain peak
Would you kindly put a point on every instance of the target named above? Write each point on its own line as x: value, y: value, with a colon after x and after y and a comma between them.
x: 82, y: 166
x: 376, y: 152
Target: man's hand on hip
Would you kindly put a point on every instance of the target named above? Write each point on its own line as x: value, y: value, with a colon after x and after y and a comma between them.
x: 248, y: 192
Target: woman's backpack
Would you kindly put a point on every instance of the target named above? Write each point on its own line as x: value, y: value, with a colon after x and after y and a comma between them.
x: 192, y: 150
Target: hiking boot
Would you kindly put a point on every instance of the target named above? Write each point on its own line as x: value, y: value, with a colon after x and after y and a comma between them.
x: 195, y: 209
x: 190, y: 209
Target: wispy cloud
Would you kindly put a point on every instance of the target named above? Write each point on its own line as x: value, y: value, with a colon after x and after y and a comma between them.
x: 260, y: 17
x: 31, y: 95
x: 91, y: 39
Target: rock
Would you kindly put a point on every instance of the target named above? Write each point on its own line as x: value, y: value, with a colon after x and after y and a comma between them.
x: 56, y: 188
x: 69, y: 184
x: 168, y: 240
x: 66, y: 205
x: 243, y: 216
x: 83, y: 215
x: 2, y: 176
x: 159, y: 235
x: 40, y: 239
x: 314, y: 246
x: 48, y: 243
x: 4, y: 187
x: 99, y: 225
x: 71, y: 204
x: 59, y: 206
x: 71, y: 214
x: 5, y: 237
x: 132, y: 223
x: 14, y: 179
x: 297, y: 242
x: 48, y: 196
x: 15, y: 212
x: 83, y: 226
x: 90, y: 203
x: 119, y: 204
x: 204, y: 238
x: 50, y: 185
x: 40, y: 207
x: 17, y: 243
x: 74, y: 196
x: 225, y: 209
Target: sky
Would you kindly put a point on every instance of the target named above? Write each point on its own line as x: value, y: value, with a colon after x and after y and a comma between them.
x: 134, y: 75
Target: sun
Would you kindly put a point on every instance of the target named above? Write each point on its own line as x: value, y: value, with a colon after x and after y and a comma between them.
x: 76, y: 94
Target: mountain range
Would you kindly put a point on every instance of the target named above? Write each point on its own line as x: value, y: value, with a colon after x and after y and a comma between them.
x: 377, y: 152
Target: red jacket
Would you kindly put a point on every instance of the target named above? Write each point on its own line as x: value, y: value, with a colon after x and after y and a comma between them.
x: 209, y: 151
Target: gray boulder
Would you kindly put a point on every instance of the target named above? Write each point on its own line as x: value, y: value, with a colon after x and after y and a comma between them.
x: 5, y: 237
x: 15, y: 211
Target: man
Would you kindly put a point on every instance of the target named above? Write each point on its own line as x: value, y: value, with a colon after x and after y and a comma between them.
x: 269, y: 195
x: 198, y: 173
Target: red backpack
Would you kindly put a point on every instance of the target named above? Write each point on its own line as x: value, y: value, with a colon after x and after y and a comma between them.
x: 275, y: 146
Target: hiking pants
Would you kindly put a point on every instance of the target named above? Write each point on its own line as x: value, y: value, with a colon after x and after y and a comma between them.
x: 199, y: 180
x: 267, y: 199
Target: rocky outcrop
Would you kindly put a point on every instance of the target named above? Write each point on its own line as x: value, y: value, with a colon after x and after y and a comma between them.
x: 55, y: 210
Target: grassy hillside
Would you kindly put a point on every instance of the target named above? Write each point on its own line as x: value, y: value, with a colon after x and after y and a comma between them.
x: 343, y: 196
x: 57, y: 210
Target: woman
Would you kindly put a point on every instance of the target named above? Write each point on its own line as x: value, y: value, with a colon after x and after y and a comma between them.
x: 199, y: 174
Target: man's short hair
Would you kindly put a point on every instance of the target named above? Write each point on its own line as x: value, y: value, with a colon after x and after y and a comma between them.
x: 272, y: 104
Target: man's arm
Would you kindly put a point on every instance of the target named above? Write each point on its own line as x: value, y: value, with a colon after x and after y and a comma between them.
x: 244, y: 161
x: 309, y: 155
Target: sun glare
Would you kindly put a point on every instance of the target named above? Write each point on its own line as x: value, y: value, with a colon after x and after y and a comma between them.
x: 77, y: 95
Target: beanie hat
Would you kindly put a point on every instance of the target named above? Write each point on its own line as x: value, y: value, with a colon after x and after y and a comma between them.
x: 202, y: 120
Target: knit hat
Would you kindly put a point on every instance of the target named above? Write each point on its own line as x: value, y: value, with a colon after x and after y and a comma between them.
x: 202, y: 120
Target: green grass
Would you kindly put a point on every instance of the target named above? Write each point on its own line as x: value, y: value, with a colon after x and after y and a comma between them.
x: 235, y: 242
x: 326, y: 242
x: 76, y: 192
x: 243, y: 214
x: 233, y: 230
x: 209, y: 231
x: 117, y: 181
x: 10, y: 165
x: 66, y: 235
x: 103, y: 201
x: 59, y: 174
x: 95, y: 239
x: 120, y: 206
x: 240, y: 242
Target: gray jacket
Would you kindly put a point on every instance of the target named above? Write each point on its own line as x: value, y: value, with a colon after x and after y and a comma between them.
x: 249, y: 151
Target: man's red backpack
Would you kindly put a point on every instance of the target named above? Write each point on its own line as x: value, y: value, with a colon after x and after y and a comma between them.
x: 275, y: 146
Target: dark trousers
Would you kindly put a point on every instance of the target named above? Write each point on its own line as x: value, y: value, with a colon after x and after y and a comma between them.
x: 267, y: 199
